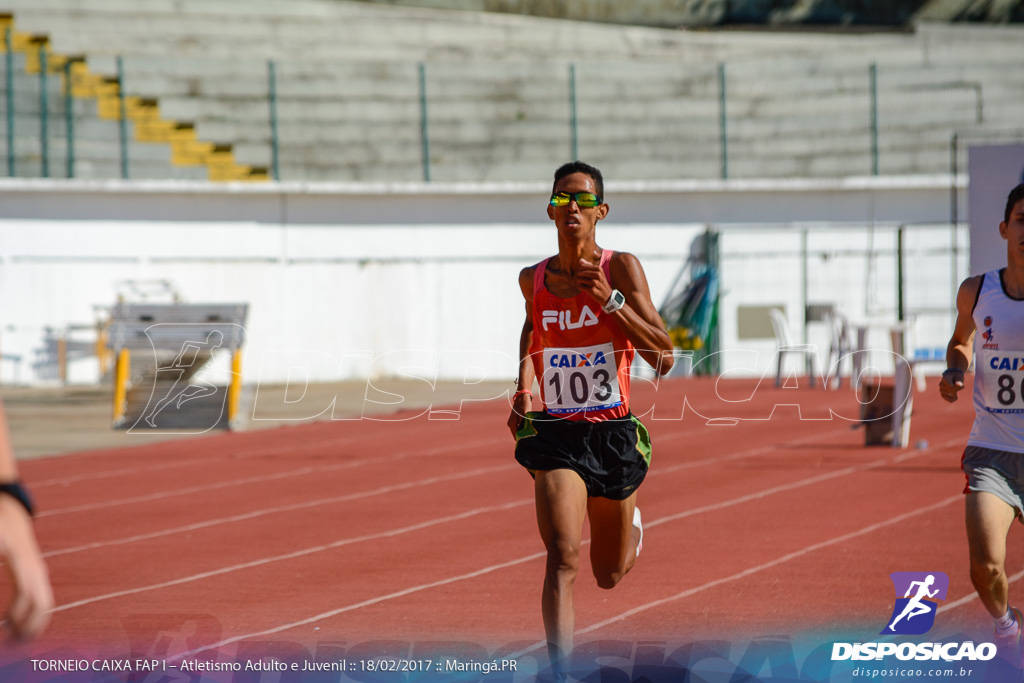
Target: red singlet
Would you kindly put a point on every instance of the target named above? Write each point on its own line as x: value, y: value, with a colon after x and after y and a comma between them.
x: 581, y: 358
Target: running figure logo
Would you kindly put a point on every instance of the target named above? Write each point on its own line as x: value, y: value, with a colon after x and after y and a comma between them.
x: 196, y: 388
x: 914, y: 613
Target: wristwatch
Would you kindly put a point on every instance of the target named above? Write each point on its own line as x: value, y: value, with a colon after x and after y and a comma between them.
x: 615, y: 302
x: 18, y: 492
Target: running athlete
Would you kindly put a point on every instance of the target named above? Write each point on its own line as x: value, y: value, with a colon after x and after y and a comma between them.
x: 29, y: 611
x: 588, y: 310
x: 994, y: 458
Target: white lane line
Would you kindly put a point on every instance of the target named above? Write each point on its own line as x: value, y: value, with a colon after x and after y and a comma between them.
x: 365, y: 603
x: 189, y: 527
x: 774, y: 563
x: 248, y: 480
x: 306, y: 446
x: 803, y: 482
x: 760, y: 450
x: 244, y: 455
x: 150, y: 497
x: 797, y: 554
x: 299, y: 553
x: 245, y: 516
x: 283, y: 508
x: 106, y: 474
x: 971, y: 597
x: 735, y: 501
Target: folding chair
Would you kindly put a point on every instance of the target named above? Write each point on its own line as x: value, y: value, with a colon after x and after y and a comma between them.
x: 839, y: 346
x: 787, y: 347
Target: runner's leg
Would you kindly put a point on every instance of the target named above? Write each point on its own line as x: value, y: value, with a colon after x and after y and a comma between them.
x: 561, y: 498
x: 614, y: 539
x: 988, y: 520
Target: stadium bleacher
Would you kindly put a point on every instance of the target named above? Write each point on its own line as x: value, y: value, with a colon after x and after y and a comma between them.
x: 381, y: 92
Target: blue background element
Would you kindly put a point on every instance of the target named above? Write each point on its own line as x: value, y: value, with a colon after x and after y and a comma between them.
x: 921, y: 623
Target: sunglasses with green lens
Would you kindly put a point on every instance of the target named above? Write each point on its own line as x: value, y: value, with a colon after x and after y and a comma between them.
x: 585, y: 200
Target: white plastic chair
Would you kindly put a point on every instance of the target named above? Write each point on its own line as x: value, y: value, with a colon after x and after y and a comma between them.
x: 787, y: 347
x: 840, y: 347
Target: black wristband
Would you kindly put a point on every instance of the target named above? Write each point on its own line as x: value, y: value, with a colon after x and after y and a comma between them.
x: 949, y: 370
x: 20, y: 494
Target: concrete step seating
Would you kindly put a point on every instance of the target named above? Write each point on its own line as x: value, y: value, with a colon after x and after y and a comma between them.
x: 147, y: 125
x: 497, y: 87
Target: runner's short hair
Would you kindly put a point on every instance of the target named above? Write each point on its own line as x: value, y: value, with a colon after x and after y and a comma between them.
x: 1016, y: 194
x: 580, y: 167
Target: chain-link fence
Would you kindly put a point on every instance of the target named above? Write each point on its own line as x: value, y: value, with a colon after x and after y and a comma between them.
x: 874, y: 275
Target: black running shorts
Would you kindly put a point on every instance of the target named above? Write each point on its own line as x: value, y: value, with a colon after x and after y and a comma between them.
x: 611, y: 456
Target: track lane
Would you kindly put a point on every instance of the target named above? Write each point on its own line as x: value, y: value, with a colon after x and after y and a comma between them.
x: 782, y: 450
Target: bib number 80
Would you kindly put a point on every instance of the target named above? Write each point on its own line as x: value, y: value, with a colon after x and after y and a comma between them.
x: 1006, y: 396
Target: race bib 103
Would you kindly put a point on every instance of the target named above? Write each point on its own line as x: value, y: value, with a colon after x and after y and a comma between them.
x: 580, y: 379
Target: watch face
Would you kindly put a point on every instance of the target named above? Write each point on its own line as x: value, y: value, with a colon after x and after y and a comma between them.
x: 616, y: 301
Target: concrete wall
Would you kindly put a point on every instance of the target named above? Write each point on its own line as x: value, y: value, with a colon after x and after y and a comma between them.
x: 351, y: 281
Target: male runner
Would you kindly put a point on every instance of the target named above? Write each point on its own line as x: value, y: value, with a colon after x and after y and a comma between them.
x: 994, y: 458
x: 588, y: 310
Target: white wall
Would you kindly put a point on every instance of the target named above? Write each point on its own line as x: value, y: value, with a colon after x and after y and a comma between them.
x: 392, y: 273
x: 996, y: 168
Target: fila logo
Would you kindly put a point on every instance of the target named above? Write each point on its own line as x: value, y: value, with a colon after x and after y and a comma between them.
x: 564, y: 319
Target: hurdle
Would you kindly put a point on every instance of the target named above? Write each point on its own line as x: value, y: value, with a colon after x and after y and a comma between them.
x: 160, y: 351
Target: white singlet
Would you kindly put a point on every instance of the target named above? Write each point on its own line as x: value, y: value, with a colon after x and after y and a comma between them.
x: 998, y: 368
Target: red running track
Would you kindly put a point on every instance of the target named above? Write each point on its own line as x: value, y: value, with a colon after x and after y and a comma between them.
x: 771, y: 518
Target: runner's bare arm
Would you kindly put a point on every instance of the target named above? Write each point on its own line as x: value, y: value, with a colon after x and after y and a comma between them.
x: 961, y: 345
x: 30, y: 607
x: 523, y: 403
x: 639, y: 318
